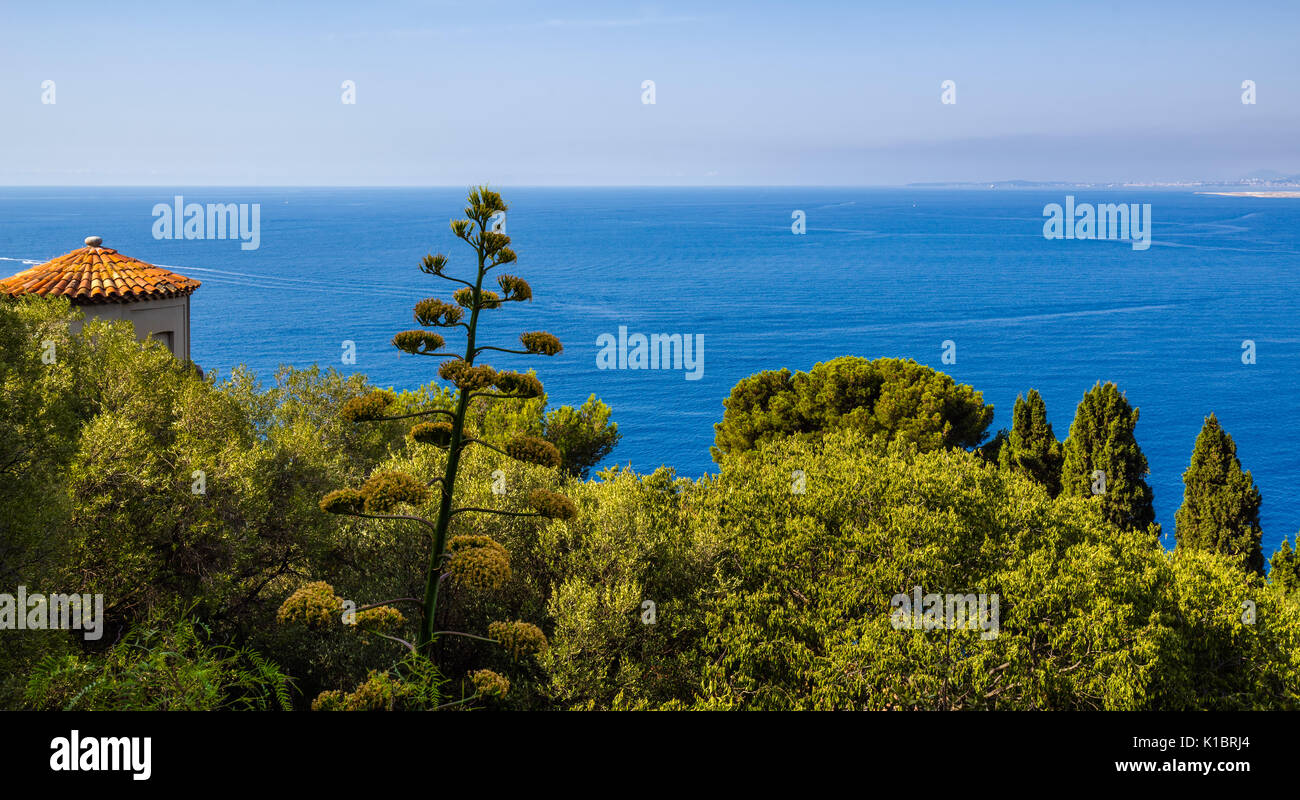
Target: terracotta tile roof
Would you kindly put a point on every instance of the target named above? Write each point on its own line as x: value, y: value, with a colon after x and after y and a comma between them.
x: 97, y: 274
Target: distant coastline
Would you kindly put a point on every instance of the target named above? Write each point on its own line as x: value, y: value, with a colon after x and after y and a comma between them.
x: 1275, y: 185
x: 1254, y: 194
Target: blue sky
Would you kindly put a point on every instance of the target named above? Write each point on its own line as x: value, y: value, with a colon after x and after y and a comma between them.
x: 532, y: 93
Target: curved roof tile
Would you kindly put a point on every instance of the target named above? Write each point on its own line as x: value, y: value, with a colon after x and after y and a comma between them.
x: 97, y: 274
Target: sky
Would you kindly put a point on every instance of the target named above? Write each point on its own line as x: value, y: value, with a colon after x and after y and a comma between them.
x: 550, y: 93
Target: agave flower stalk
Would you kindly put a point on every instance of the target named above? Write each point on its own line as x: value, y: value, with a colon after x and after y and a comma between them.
x: 477, y: 560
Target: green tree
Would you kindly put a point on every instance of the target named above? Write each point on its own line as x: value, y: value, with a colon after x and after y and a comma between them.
x: 584, y: 436
x: 109, y: 433
x: 630, y: 579
x: 40, y: 412
x: 1220, y: 510
x: 1229, y: 642
x: 474, y: 561
x: 1103, y: 460
x: 897, y: 398
x: 123, y: 472
x: 39, y: 415
x: 1284, y: 567
x: 1031, y: 448
x: 161, y: 484
x: 1091, y: 616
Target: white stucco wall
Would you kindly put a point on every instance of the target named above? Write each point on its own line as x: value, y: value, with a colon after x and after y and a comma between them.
x: 150, y: 317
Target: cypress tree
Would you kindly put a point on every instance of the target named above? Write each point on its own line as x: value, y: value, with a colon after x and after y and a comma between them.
x: 1220, y: 510
x: 1031, y: 447
x: 1103, y: 460
x: 1284, y: 567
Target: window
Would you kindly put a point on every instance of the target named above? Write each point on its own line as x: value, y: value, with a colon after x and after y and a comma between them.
x: 167, y: 338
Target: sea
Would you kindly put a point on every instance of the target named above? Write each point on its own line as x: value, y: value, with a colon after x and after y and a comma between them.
x: 902, y: 272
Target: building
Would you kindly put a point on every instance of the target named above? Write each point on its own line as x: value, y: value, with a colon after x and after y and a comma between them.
x: 105, y: 284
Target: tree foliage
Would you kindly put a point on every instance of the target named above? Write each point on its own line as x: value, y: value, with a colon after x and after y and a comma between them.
x: 585, y: 436
x: 897, y: 398
x: 1091, y: 615
x: 767, y: 585
x: 1284, y: 567
x: 107, y: 438
x: 1103, y: 460
x: 1220, y: 510
x: 1031, y: 447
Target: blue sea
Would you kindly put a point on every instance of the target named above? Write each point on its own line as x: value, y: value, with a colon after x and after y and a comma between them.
x: 880, y: 272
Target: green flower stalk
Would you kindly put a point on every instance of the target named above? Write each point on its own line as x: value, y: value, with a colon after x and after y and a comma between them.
x: 476, y: 563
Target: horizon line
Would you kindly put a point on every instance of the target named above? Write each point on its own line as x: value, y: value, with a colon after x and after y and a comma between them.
x: 981, y: 185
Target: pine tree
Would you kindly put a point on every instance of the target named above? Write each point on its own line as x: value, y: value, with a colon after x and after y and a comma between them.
x: 1103, y: 460
x: 1220, y: 510
x: 1284, y: 567
x: 1031, y: 447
